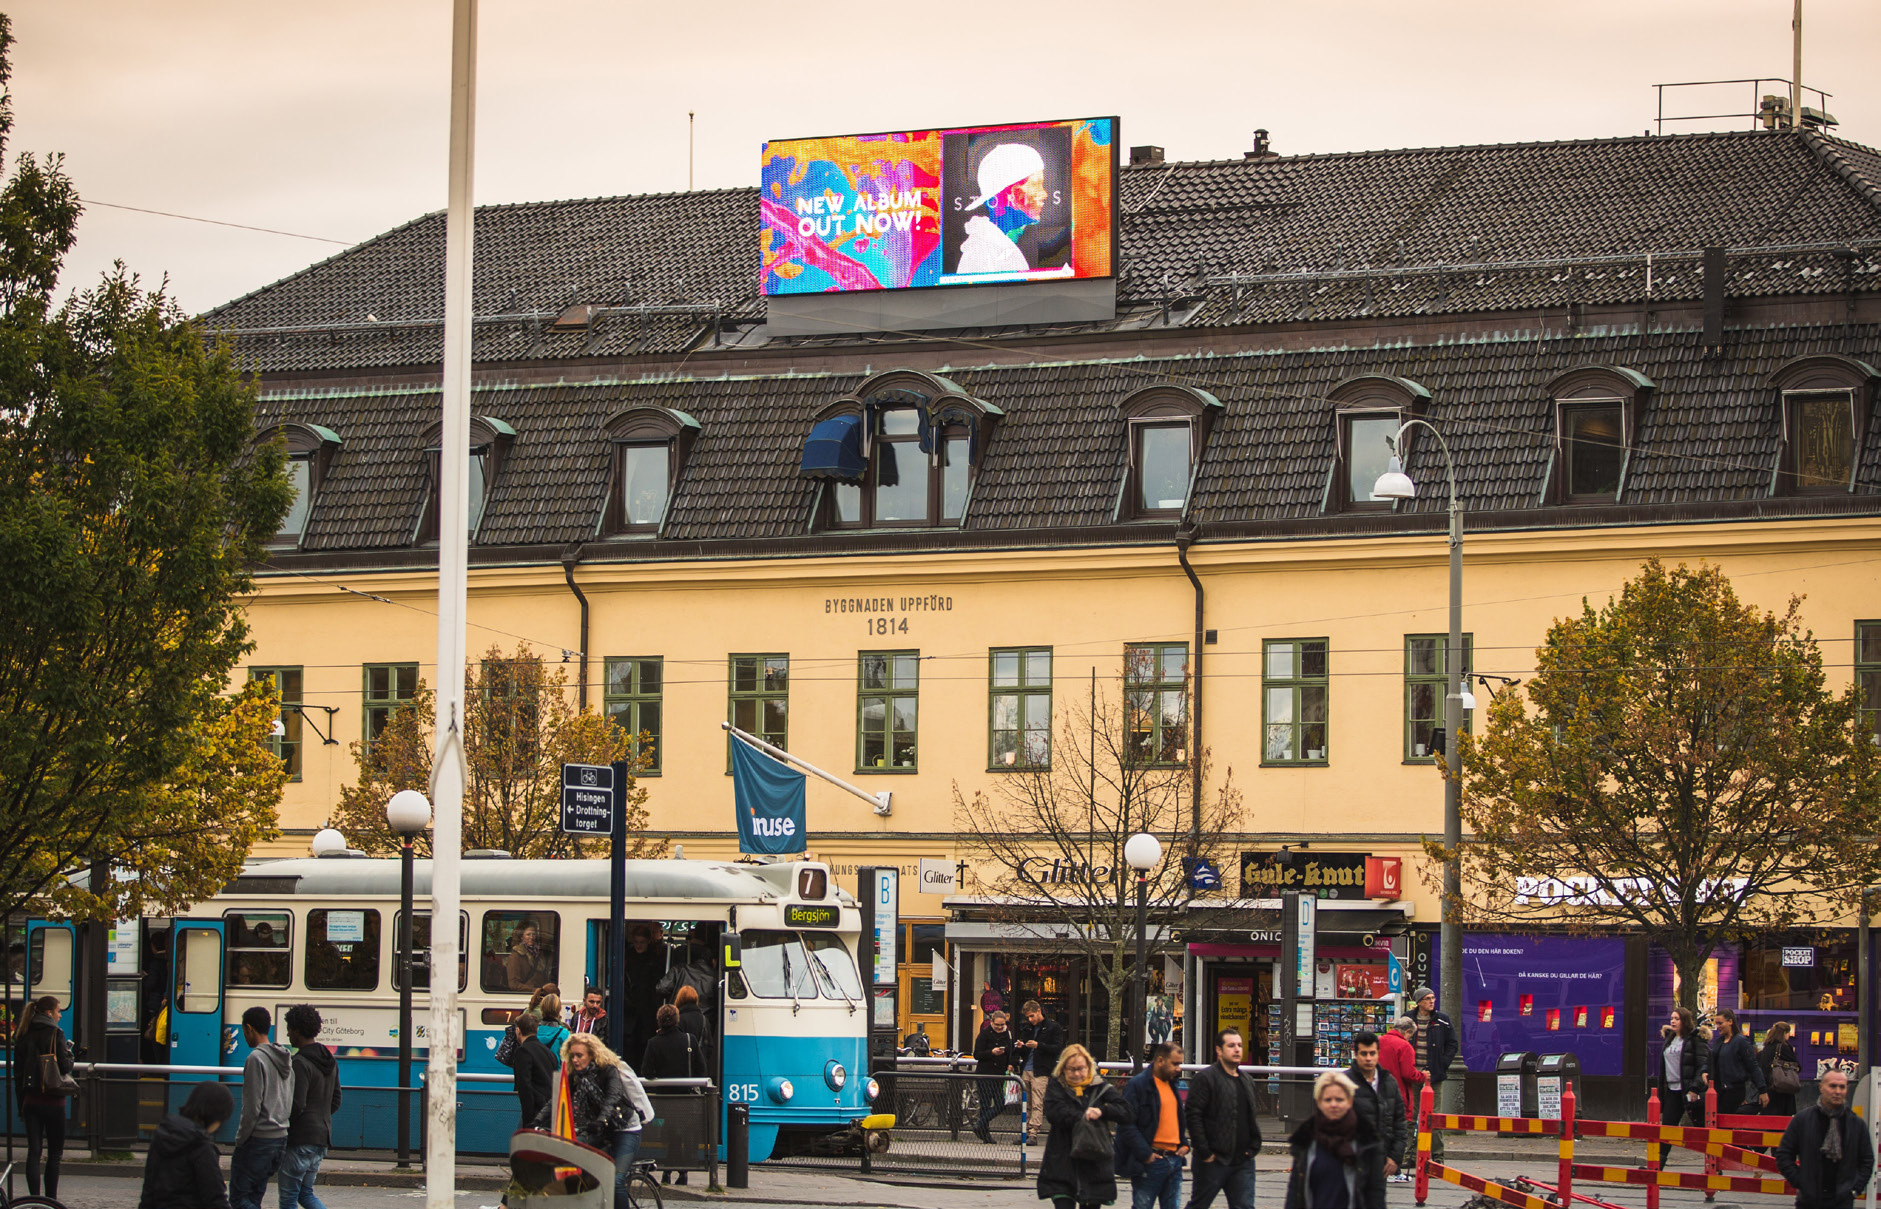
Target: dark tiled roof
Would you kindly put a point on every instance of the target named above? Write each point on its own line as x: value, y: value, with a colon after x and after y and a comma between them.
x: 1374, y: 233
x: 1708, y: 436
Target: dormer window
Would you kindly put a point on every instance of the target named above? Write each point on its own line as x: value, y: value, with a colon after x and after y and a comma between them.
x: 901, y: 452
x: 310, y: 449
x: 1167, y: 429
x: 490, y: 441
x: 1367, y: 412
x: 1596, y: 414
x: 1825, y: 405
x: 649, y: 446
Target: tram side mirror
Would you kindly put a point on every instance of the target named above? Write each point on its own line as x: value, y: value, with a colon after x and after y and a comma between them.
x: 734, y: 950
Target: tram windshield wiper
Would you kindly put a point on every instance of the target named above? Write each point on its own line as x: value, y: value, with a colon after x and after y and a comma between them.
x: 828, y: 978
x: 790, y: 981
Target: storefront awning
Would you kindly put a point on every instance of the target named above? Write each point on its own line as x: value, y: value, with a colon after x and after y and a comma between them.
x: 833, y: 450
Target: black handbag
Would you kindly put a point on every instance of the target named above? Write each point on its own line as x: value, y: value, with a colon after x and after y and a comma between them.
x: 1091, y: 1139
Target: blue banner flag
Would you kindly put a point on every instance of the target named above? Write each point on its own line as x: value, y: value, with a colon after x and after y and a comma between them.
x: 769, y: 797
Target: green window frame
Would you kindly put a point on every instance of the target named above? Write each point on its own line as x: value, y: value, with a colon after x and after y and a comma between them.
x: 1868, y: 674
x: 1294, y: 701
x: 1019, y: 710
x: 288, y: 687
x: 632, y: 697
x: 759, y: 699
x: 1424, y: 689
x: 888, y: 689
x: 1156, y: 692
x: 388, y: 686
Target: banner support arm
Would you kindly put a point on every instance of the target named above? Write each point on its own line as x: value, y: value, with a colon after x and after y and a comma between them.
x: 882, y: 802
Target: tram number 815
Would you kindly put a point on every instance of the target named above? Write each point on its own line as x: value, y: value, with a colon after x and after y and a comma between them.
x: 741, y: 1092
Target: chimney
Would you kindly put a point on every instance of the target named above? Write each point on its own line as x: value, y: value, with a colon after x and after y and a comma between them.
x: 1262, y: 150
x: 1140, y: 156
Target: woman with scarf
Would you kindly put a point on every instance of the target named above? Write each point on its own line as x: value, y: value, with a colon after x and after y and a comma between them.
x: 1338, y: 1158
x: 1076, y: 1094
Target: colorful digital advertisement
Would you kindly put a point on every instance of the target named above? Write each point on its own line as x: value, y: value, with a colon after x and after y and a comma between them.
x: 978, y: 205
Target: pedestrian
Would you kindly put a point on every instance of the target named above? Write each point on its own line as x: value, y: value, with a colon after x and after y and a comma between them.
x: 535, y: 1072
x: 1378, y: 1100
x: 588, y: 1017
x: 1826, y: 1154
x: 1338, y: 1158
x: 1436, y: 1044
x: 672, y: 1053
x: 993, y: 1054
x: 1782, y: 1071
x: 1067, y: 1176
x: 646, y: 961
x: 310, y: 1118
x: 551, y: 1032
x: 1223, y: 1129
x: 691, y: 1015
x: 1397, y: 1054
x: 1734, y: 1065
x: 183, y: 1169
x: 1153, y: 1146
x: 267, y: 1102
x: 1683, y: 1065
x: 1041, y: 1041
x: 609, y: 1105
x: 39, y: 1044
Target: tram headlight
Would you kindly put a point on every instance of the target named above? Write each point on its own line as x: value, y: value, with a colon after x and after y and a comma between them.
x: 873, y: 1088
x: 781, y: 1090
x: 835, y: 1075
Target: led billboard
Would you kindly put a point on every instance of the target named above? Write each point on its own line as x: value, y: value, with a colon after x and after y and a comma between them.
x: 978, y: 205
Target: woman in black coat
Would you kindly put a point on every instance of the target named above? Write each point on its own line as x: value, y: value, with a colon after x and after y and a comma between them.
x: 183, y: 1170
x: 1075, y: 1094
x: 672, y: 1053
x: 1338, y: 1158
x: 43, y: 1108
x: 1777, y: 1048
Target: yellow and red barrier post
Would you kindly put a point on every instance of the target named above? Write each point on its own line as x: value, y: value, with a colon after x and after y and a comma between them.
x: 1567, y: 1146
x: 1653, y: 1149
x: 1426, y: 1101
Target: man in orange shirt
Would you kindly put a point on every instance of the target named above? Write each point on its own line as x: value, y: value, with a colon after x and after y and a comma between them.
x: 1152, y: 1149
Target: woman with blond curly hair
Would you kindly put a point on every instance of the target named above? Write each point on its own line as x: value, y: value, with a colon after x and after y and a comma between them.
x: 609, y: 1105
x: 1077, y: 1093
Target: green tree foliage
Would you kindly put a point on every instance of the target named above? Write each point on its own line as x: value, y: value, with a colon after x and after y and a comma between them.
x: 1679, y: 764
x: 519, y: 729
x: 131, y: 509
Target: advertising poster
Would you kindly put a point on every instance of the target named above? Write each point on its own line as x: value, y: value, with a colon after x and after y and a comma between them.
x: 1546, y: 994
x: 1234, y: 1005
x: 1368, y: 981
x: 977, y: 205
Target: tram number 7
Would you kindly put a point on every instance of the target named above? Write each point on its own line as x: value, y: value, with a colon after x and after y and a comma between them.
x: 741, y: 1092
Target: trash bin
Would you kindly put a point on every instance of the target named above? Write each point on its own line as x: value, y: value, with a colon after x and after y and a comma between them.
x: 1557, y: 1073
x: 1515, y: 1084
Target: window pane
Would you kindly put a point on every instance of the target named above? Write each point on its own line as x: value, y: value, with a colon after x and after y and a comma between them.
x: 1005, y: 668
x: 1005, y: 712
x: 745, y: 715
x: 259, y: 953
x: 848, y: 504
x: 1313, y: 703
x: 648, y: 671
x: 620, y: 676
x: 476, y: 488
x: 776, y: 967
x: 900, y: 482
x: 1038, y: 712
x: 875, y: 671
x: 1175, y: 663
x: 300, y: 478
x: 421, y: 951
x: 901, y: 422
x: 953, y: 478
x: 1593, y: 450
x: 904, y: 715
x: 643, y: 483
x: 520, y: 950
x: 1163, y: 467
x: 1280, y: 705
x: 836, y: 969
x: 1312, y: 659
x: 1366, y: 454
x: 1425, y: 656
x: 1280, y: 661
x: 776, y: 719
x: 1038, y: 666
x: 378, y: 682
x: 342, y: 950
x: 907, y: 671
x: 1869, y: 643
x: 744, y: 675
x: 1825, y: 447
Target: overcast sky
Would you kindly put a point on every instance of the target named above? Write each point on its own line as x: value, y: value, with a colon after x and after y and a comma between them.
x: 330, y: 119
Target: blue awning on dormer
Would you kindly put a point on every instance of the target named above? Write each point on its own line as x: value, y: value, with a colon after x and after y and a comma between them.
x: 833, y: 450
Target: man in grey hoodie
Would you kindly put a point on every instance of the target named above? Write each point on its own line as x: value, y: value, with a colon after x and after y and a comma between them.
x: 267, y: 1101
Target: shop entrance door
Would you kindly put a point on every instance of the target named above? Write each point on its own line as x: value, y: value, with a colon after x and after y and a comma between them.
x: 1242, y: 995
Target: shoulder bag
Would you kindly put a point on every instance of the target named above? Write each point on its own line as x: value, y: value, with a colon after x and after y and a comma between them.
x: 52, y: 1080
x: 1786, y: 1078
x: 506, y: 1048
x: 1090, y: 1139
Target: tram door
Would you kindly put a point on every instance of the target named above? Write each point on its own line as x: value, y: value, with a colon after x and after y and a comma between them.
x: 195, y: 1025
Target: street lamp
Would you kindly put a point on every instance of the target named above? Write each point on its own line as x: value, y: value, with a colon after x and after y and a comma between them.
x: 1394, y: 484
x: 328, y: 842
x: 1141, y: 852
x: 409, y: 812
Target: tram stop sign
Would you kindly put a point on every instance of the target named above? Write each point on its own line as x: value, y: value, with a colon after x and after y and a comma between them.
x: 587, y: 799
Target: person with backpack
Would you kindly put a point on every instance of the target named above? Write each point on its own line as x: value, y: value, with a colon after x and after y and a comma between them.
x: 310, y: 1119
x: 38, y: 1048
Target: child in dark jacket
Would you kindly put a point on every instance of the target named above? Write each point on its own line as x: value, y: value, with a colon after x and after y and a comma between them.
x: 183, y: 1170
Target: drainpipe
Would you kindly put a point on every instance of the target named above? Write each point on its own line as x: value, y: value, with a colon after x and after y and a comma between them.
x: 1186, y: 533
x: 569, y: 560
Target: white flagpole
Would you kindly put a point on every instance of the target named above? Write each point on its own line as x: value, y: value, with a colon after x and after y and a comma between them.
x: 447, y: 766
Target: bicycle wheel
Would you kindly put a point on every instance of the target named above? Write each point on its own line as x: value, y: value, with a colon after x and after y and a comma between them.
x: 643, y: 1191
x: 31, y: 1202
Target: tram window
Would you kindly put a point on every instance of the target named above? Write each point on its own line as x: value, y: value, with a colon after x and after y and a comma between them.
x: 198, y: 960
x: 520, y: 950
x: 342, y: 950
x: 51, y: 965
x: 835, y: 969
x: 258, y: 953
x: 776, y: 967
x: 421, y: 951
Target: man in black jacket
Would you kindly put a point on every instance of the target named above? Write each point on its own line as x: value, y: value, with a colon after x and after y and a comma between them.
x: 535, y: 1072
x: 993, y: 1054
x: 1436, y: 1043
x: 316, y: 1099
x: 1040, y: 1042
x: 1223, y: 1131
x: 1380, y: 1101
x: 1825, y: 1153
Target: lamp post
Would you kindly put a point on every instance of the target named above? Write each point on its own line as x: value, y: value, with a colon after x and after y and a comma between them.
x: 409, y: 812
x: 1394, y: 484
x: 1141, y: 852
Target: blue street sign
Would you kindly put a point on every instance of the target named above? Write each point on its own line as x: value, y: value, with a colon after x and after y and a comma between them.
x: 587, y: 799
x: 1203, y: 874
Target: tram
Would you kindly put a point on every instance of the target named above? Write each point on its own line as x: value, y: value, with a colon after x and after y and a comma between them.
x: 787, y: 1026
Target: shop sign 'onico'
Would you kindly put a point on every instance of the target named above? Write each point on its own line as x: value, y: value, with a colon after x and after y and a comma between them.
x: 1321, y: 874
